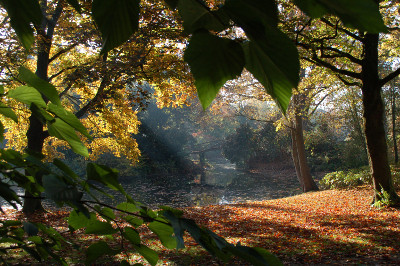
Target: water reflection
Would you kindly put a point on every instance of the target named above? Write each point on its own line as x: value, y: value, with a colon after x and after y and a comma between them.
x: 220, y: 184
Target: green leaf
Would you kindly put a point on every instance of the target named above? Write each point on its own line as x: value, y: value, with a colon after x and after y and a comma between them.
x: 270, y: 55
x: 103, y: 174
x: 177, y: 213
x: 22, y: 13
x: 106, y: 213
x: 97, y: 250
x: 41, y: 85
x: 41, y: 114
x: 116, y: 20
x: 99, y: 228
x: 11, y: 223
x: 164, y: 232
x: 178, y: 227
x: 13, y: 157
x: 134, y: 221
x: 65, y: 168
x: 273, y: 60
x: 68, y: 118
x: 197, y: 16
x: 75, y: 5
x: 131, y: 235
x: 213, y: 61
x: 254, y: 13
x: 128, y: 207
x: 256, y: 256
x: 8, y: 112
x: 150, y: 255
x: 30, y: 229
x: 27, y: 95
x: 78, y: 220
x: 9, y: 194
x: 360, y: 14
x: 58, y: 190
x: 64, y: 131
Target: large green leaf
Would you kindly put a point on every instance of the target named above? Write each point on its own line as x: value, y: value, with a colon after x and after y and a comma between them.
x: 270, y: 55
x: 27, y: 95
x: 256, y: 256
x: 30, y: 229
x: 62, y: 130
x: 68, y: 118
x: 103, y: 174
x: 41, y: 85
x: 22, y: 13
x: 253, y: 13
x: 360, y: 14
x: 65, y: 168
x: 97, y: 250
x: 128, y: 207
x: 177, y: 225
x: 165, y: 233
x: 213, y: 61
x: 273, y: 60
x: 116, y: 20
x: 131, y: 235
x: 8, y: 112
x: 150, y: 255
x: 196, y: 15
x: 57, y: 190
x: 8, y: 194
x: 79, y: 220
x: 41, y: 114
x: 99, y: 228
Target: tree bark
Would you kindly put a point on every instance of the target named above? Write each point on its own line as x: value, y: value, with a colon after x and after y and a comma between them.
x: 373, y: 120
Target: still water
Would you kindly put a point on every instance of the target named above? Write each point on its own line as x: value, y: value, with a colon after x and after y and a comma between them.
x: 221, y: 184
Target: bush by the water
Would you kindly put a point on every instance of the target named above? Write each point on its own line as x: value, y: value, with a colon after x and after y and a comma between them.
x: 355, y: 177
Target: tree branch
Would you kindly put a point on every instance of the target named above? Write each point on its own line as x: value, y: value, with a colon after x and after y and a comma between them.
x: 389, y: 77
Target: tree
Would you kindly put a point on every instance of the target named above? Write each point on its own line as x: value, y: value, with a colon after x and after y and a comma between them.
x: 104, y: 92
x: 353, y: 56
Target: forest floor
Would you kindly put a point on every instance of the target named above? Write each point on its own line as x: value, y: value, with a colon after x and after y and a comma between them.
x: 327, y: 227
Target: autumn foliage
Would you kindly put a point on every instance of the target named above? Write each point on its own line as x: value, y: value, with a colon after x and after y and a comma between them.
x: 332, y: 226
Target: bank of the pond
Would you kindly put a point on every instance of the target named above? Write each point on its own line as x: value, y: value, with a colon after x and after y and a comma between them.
x: 326, y: 227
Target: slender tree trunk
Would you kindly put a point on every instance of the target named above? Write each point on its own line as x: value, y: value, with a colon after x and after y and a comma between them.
x: 373, y: 120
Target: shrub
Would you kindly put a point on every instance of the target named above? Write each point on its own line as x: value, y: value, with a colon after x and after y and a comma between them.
x: 346, y: 179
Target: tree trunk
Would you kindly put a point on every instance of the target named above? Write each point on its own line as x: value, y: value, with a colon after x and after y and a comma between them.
x: 393, y: 114
x: 36, y: 134
x: 295, y: 157
x: 373, y: 121
x: 300, y: 158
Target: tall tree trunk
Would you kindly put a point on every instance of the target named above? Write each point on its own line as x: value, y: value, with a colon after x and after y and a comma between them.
x: 36, y: 134
x: 300, y: 158
x: 393, y: 114
x: 373, y: 121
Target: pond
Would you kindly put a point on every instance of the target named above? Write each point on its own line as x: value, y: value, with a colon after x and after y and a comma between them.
x: 220, y: 184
